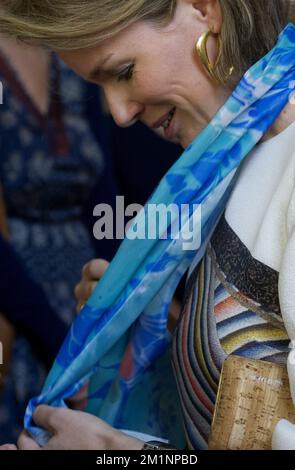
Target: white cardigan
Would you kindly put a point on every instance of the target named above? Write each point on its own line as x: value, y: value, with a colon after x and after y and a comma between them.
x: 261, y: 211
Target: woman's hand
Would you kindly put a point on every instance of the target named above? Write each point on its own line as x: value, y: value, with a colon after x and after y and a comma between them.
x: 8, y: 447
x: 93, y: 271
x: 75, y: 430
x: 91, y: 274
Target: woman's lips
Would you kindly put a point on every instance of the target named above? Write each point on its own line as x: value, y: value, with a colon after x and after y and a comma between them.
x: 167, y: 123
x: 169, y: 131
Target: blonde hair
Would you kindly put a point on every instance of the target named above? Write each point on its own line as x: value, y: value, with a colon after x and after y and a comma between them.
x: 250, y: 27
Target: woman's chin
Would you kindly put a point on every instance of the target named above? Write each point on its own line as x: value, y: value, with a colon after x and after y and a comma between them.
x: 185, y: 142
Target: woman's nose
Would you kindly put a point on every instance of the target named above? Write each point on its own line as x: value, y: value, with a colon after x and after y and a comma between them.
x: 125, y: 111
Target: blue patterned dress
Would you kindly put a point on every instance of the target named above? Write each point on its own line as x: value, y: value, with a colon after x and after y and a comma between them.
x: 48, y: 166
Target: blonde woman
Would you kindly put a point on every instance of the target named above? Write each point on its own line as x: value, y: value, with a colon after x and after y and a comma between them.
x: 174, y: 65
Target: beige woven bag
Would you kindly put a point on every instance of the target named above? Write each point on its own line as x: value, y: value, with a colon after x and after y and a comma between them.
x: 253, y: 396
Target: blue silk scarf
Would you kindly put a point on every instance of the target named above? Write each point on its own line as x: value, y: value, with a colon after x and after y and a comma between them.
x: 119, y: 343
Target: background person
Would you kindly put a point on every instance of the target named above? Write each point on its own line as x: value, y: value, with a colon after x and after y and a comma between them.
x: 50, y: 163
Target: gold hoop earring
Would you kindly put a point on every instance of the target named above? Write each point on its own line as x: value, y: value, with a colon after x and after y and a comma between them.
x: 201, y: 48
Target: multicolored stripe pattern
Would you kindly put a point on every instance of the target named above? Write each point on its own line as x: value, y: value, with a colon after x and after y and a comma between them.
x: 217, y: 320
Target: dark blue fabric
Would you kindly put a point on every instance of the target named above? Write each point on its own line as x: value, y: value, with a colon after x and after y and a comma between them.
x: 48, y: 167
x: 22, y: 301
x: 108, y: 186
x: 141, y: 159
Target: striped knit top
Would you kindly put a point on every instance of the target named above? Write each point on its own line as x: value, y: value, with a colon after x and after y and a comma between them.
x: 233, y: 302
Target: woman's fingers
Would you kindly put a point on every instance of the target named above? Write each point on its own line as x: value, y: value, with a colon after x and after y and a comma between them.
x: 84, y: 289
x: 8, y: 447
x: 46, y: 417
x: 25, y: 442
x: 95, y: 269
x: 91, y: 274
x: 82, y: 292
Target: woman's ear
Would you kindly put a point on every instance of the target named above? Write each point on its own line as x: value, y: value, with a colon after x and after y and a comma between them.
x: 209, y: 12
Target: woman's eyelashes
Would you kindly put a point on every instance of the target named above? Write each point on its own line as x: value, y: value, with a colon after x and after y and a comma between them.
x: 126, y: 73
